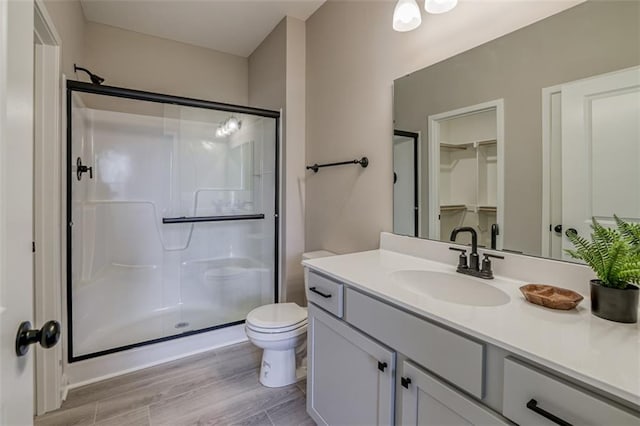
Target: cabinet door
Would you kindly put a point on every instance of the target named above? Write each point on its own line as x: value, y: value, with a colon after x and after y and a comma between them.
x: 351, y: 377
x: 428, y: 401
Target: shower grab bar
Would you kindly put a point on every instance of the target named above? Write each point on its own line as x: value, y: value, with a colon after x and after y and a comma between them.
x: 195, y: 219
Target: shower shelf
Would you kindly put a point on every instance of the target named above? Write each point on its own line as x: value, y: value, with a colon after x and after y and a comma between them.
x: 195, y: 219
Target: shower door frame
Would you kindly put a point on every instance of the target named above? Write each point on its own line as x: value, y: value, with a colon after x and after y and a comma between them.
x: 139, y: 95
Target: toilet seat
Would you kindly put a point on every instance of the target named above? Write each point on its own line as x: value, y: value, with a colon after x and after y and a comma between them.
x: 277, y: 336
x: 276, y: 330
x: 277, y: 318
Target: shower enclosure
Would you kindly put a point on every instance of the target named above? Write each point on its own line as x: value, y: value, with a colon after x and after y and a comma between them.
x: 172, y: 216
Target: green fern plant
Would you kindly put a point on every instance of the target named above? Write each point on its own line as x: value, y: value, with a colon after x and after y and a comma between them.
x: 613, y: 254
x: 631, y: 231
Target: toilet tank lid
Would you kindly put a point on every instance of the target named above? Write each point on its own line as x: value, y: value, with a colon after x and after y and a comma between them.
x: 277, y: 315
x: 317, y: 254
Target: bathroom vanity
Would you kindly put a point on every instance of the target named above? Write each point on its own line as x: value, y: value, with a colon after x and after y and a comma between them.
x: 395, y: 336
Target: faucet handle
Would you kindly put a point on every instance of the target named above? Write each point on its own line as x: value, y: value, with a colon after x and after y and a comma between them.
x: 462, y: 259
x: 486, y: 270
x: 494, y: 256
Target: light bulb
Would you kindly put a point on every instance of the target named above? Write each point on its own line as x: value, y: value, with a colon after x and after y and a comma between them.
x: 233, y: 124
x: 406, y: 16
x: 439, y: 6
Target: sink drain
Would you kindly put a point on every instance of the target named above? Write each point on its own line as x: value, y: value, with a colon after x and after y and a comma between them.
x: 182, y: 325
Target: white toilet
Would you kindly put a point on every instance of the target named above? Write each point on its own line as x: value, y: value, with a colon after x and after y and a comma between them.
x: 279, y: 329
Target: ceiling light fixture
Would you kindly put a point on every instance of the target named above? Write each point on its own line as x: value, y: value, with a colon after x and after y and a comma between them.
x: 406, y: 16
x: 439, y: 6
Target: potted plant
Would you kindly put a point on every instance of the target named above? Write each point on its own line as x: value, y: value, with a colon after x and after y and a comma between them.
x: 614, y: 255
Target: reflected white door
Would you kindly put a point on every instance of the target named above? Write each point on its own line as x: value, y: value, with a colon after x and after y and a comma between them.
x: 16, y: 195
x: 600, y: 150
x: 403, y: 186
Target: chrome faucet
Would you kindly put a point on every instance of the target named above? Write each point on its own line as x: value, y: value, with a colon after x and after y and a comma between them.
x: 473, y: 267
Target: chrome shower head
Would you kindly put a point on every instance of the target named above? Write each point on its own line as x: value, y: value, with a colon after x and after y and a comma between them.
x: 95, y: 79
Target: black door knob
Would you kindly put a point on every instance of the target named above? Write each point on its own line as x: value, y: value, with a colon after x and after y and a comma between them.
x: 571, y: 231
x: 558, y: 228
x: 47, y: 336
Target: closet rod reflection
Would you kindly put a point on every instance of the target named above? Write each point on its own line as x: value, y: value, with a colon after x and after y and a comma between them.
x: 195, y: 219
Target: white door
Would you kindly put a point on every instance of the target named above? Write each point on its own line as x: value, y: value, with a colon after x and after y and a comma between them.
x: 600, y: 150
x: 16, y: 195
x: 403, y: 186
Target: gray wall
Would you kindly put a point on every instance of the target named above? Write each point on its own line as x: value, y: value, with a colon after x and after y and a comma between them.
x: 70, y: 24
x: 353, y: 56
x: 137, y: 61
x: 589, y: 39
x: 277, y: 81
x: 129, y: 59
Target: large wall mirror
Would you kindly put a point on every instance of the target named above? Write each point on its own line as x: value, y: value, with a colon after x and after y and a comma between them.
x: 526, y: 136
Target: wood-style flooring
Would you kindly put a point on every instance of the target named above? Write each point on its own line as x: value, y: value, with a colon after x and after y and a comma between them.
x: 220, y: 387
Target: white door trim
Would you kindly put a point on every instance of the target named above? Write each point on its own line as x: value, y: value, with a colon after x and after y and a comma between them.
x: 434, y: 162
x: 48, y: 270
x: 547, y: 94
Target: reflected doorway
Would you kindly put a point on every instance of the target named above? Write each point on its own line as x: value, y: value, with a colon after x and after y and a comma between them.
x: 406, y: 211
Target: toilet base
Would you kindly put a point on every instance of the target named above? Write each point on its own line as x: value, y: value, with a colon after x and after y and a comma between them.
x: 278, y: 368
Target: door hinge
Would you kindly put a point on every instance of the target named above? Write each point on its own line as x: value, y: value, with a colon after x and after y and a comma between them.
x: 405, y: 382
x: 382, y: 365
x: 33, y: 246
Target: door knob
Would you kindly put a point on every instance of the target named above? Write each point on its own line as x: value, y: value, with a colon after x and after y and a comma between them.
x: 571, y: 231
x: 558, y: 228
x: 47, y: 336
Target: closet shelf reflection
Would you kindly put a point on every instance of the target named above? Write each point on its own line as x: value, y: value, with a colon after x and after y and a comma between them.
x: 453, y: 208
x: 465, y: 145
x: 487, y: 209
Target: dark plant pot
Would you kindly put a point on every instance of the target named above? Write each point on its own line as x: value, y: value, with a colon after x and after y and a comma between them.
x: 615, y: 304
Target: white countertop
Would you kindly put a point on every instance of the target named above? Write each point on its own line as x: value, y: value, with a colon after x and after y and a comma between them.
x: 595, y: 351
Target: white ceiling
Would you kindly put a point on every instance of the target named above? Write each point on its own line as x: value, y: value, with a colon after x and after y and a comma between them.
x: 232, y: 26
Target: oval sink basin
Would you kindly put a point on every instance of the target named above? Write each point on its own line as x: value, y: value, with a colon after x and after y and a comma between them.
x: 453, y: 288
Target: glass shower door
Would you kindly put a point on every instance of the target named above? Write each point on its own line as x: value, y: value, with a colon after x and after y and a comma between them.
x: 172, y: 226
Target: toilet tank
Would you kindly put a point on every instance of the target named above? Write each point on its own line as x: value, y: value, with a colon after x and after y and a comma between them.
x: 317, y: 254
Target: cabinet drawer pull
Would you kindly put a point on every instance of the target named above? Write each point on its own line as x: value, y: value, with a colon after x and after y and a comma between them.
x: 533, y: 406
x: 316, y: 291
x: 405, y: 382
x: 382, y: 365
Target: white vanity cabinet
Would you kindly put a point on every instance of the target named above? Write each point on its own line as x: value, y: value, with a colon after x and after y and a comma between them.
x: 350, y: 376
x: 372, y: 362
x: 427, y: 401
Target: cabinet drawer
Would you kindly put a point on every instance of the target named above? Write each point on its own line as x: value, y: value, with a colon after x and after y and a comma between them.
x: 325, y: 293
x: 523, y: 384
x: 455, y: 358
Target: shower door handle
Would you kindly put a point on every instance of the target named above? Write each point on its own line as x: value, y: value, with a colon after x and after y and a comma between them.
x: 81, y: 168
x: 198, y: 219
